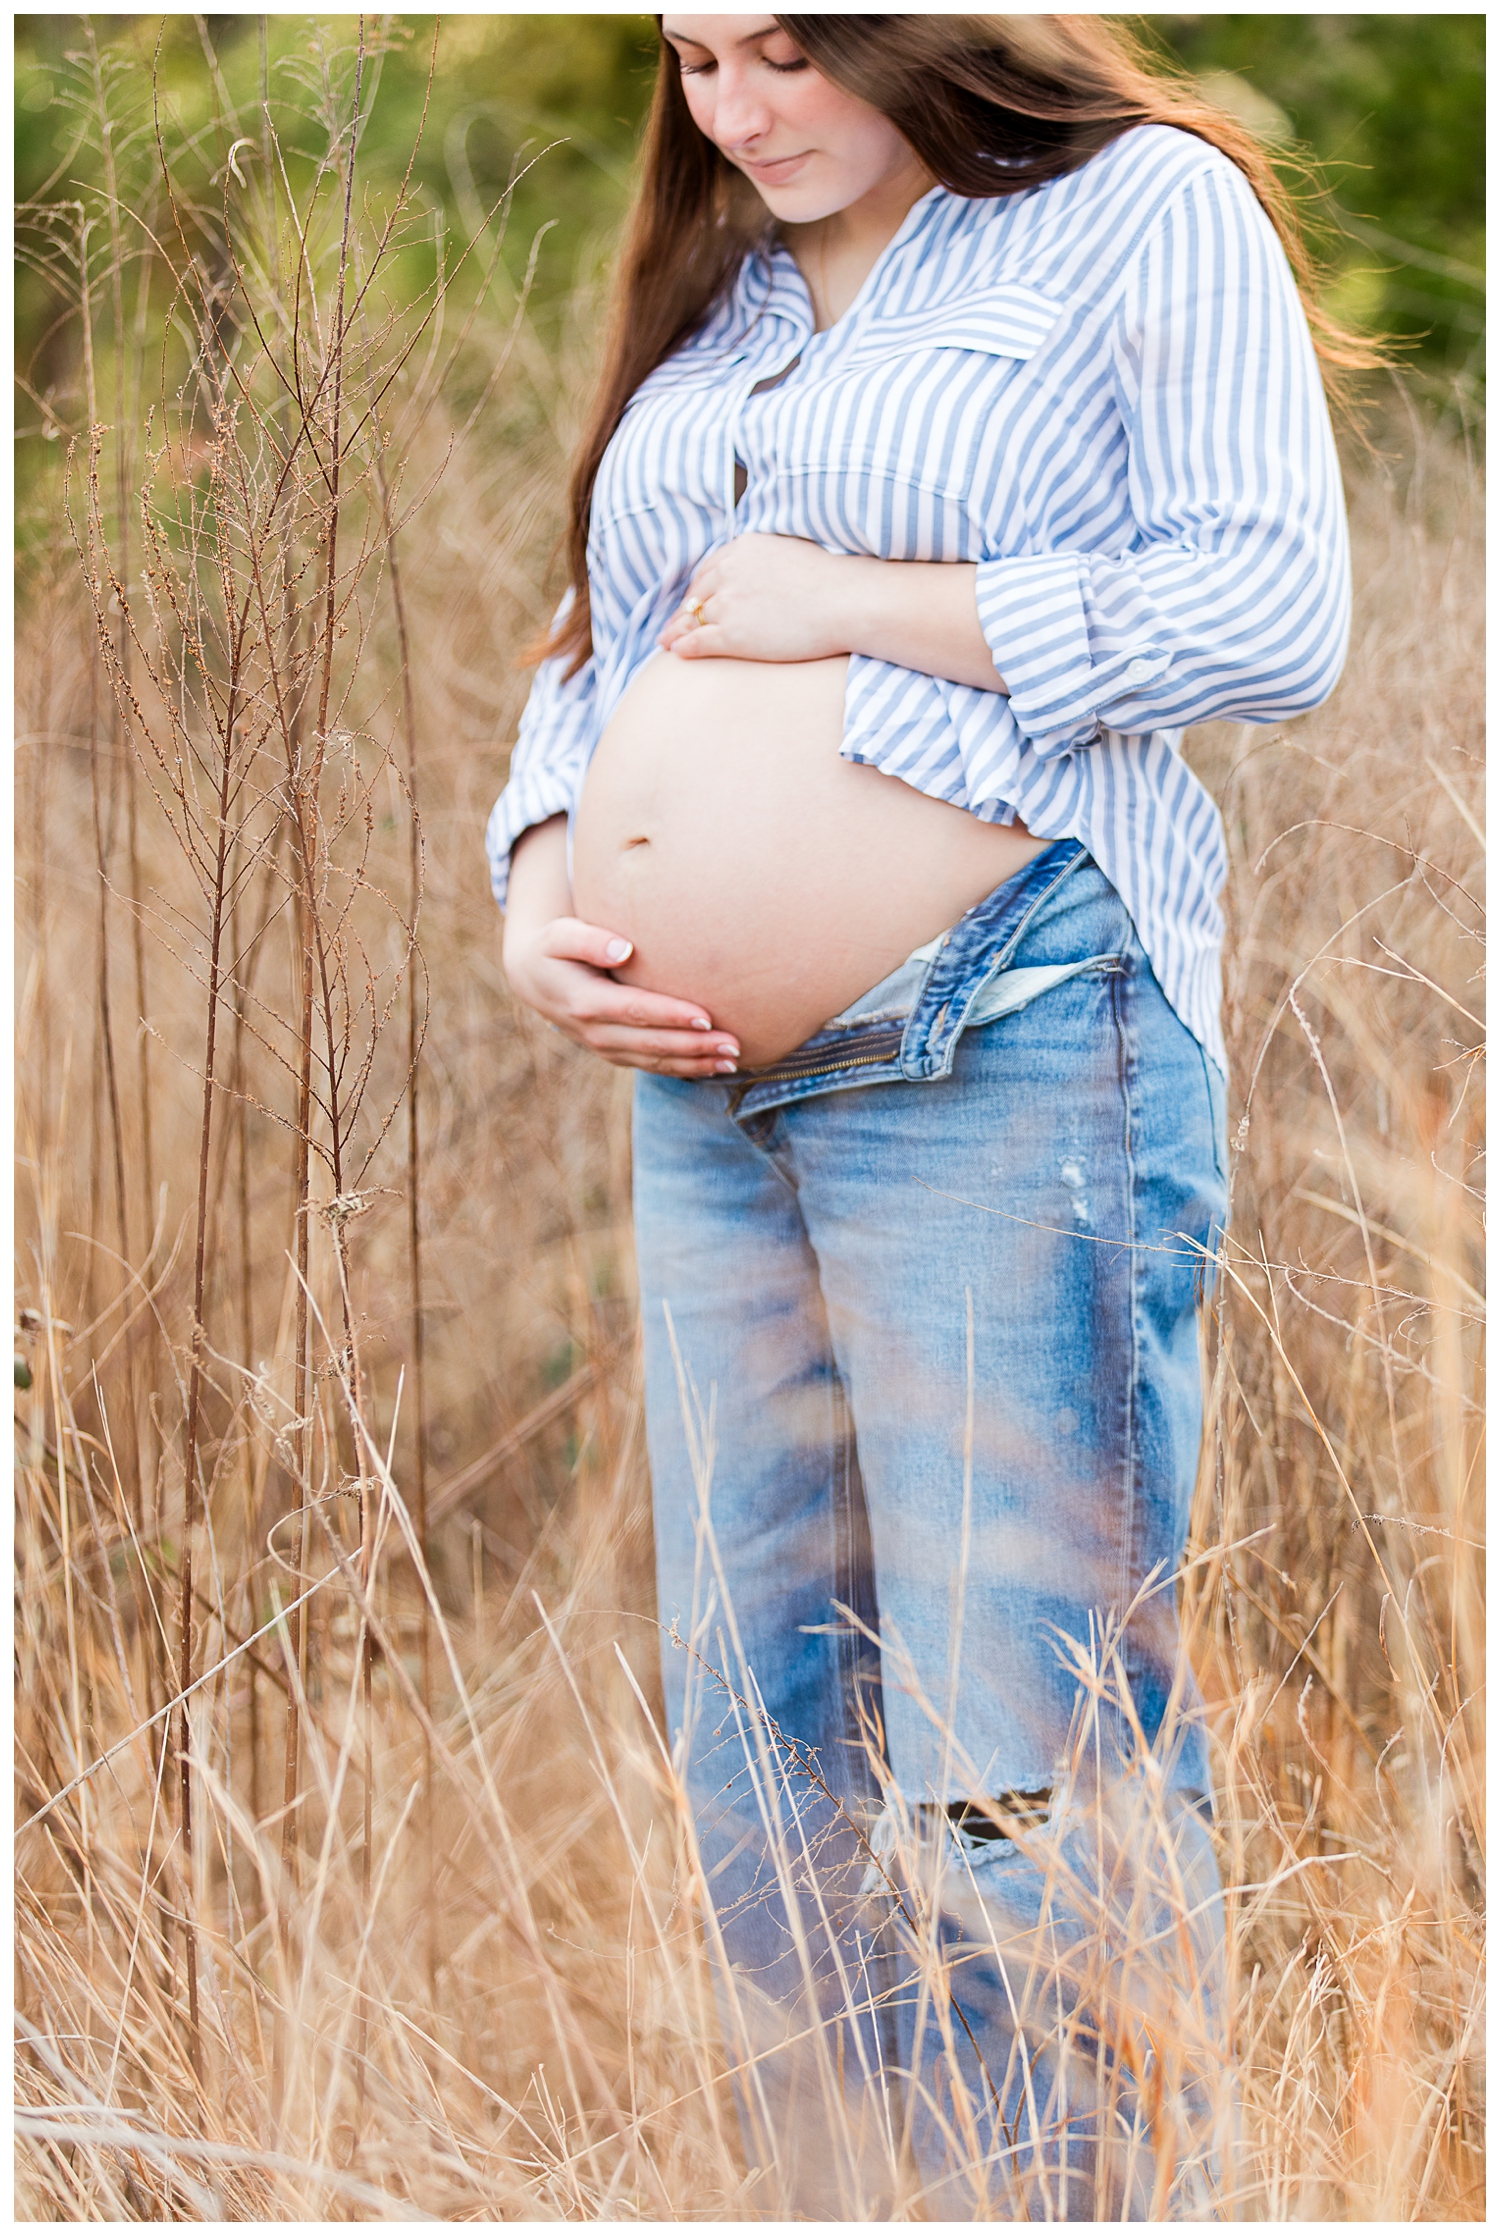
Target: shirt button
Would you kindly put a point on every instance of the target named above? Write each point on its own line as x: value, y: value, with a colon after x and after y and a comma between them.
x: 1137, y: 671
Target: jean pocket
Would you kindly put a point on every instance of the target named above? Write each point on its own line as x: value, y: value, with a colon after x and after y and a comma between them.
x: 1007, y: 991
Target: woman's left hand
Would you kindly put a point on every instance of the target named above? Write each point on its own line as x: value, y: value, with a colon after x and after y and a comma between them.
x: 780, y: 598
x: 764, y: 598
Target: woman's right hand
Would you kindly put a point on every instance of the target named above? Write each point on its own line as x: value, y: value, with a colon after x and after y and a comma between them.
x: 560, y: 967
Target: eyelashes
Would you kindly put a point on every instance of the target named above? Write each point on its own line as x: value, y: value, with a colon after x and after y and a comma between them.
x: 782, y: 69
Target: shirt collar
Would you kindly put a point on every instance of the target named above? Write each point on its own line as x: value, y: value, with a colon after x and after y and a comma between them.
x: 770, y: 285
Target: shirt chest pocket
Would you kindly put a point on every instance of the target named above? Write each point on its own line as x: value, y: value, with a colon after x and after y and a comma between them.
x: 668, y: 450
x: 905, y: 448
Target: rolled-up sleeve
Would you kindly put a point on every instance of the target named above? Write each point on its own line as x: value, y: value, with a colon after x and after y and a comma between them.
x: 1232, y: 598
x: 553, y: 742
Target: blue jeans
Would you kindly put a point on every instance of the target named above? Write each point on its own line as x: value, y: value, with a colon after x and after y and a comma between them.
x: 924, y: 1409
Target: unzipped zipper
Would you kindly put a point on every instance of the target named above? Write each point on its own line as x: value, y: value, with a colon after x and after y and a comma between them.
x: 887, y: 1046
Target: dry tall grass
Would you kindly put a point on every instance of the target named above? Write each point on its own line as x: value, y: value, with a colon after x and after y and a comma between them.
x: 451, y: 1968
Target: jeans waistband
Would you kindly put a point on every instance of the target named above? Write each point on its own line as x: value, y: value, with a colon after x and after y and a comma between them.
x: 920, y: 1045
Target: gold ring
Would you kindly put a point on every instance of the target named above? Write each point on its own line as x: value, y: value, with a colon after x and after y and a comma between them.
x: 695, y: 608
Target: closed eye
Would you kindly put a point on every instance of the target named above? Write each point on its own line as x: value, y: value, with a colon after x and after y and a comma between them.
x: 782, y: 69
x: 703, y: 69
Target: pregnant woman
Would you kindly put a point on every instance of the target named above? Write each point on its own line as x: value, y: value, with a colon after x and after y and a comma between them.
x: 960, y: 439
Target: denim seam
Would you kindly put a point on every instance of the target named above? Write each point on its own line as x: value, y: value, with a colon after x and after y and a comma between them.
x: 1123, y: 989
x: 1065, y: 872
x: 1221, y: 1162
x: 851, y: 1645
x: 766, y: 1155
x: 858, y: 1673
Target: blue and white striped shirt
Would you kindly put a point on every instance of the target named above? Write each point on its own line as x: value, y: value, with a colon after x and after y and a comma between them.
x: 1101, y: 390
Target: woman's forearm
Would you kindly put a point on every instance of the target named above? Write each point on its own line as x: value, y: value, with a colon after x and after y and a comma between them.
x: 539, y: 888
x: 916, y: 615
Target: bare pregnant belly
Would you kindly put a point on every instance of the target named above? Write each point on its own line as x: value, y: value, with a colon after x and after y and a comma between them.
x: 755, y: 871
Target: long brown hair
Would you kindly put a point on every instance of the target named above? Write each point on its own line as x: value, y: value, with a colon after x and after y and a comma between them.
x: 991, y: 105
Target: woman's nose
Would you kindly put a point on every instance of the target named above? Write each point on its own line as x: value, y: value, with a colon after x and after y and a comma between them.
x: 741, y: 115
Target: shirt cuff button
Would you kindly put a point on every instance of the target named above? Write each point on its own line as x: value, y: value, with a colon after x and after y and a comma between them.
x: 1137, y: 671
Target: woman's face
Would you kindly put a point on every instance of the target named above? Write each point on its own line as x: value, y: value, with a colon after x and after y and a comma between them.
x: 809, y: 148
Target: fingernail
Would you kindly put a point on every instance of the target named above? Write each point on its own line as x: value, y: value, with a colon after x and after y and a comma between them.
x: 728, y: 1048
x: 699, y: 1024
x: 617, y: 951
x: 726, y: 1067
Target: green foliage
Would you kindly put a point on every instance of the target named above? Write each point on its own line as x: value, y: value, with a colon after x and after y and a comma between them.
x: 562, y: 93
